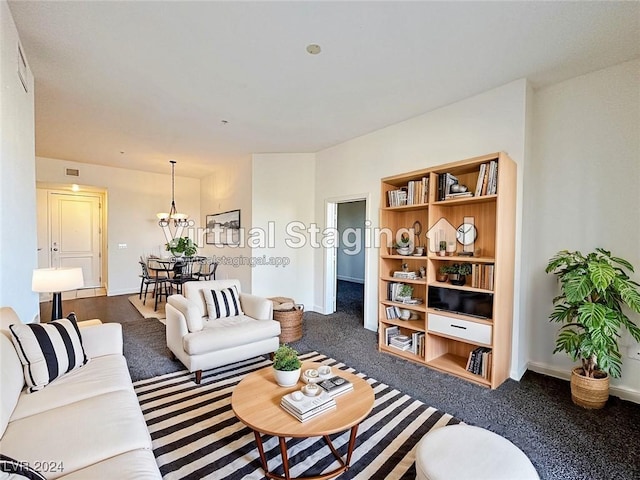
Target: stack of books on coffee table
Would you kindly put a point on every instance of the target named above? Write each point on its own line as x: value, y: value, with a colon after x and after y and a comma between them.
x: 306, y: 407
x: 335, y: 386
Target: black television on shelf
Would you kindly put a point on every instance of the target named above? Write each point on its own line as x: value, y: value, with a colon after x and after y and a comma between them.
x: 476, y: 304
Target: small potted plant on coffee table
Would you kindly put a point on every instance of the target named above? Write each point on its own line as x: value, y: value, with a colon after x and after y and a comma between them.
x: 286, y: 366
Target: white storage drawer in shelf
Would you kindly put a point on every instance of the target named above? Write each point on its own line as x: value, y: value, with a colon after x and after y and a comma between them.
x: 473, y: 332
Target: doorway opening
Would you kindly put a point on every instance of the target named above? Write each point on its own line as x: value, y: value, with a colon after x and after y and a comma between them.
x: 346, y: 264
x: 350, y: 258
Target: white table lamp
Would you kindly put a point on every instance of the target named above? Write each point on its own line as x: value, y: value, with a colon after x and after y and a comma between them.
x: 56, y: 281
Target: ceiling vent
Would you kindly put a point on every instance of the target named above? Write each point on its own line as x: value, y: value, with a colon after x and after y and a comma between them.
x: 72, y: 172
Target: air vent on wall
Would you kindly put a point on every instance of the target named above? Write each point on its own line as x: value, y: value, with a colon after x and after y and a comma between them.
x: 72, y: 172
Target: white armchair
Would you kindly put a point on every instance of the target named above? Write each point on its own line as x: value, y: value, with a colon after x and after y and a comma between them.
x: 202, y: 341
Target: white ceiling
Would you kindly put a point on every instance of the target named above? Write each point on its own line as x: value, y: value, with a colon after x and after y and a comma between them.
x: 155, y: 79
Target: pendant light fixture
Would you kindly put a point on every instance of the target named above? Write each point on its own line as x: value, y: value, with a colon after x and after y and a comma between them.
x: 179, y: 219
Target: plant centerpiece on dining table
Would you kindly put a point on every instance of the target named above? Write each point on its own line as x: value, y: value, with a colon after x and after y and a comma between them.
x: 593, y: 290
x: 286, y: 366
x: 181, y: 246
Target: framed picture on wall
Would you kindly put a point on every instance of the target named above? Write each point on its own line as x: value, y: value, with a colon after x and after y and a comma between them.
x: 223, y: 228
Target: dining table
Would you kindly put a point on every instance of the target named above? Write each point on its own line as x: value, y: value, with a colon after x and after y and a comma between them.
x: 169, y: 266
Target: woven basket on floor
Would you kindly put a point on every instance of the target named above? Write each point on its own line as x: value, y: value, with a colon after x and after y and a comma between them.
x: 589, y: 392
x: 290, y: 319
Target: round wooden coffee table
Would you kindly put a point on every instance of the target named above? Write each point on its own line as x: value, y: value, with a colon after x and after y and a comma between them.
x: 256, y: 403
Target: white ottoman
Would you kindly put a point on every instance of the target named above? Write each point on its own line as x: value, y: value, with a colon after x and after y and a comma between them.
x: 460, y: 452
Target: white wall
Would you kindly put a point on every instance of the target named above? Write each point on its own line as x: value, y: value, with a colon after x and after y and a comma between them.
x: 18, y: 245
x: 133, y: 199
x: 490, y: 122
x: 582, y: 193
x: 283, y: 192
x: 229, y: 188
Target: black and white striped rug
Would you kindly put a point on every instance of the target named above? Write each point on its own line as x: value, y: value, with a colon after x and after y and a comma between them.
x: 196, y: 435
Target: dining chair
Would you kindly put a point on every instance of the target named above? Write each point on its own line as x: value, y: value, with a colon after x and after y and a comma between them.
x: 207, y: 270
x: 183, y: 273
x: 147, y: 279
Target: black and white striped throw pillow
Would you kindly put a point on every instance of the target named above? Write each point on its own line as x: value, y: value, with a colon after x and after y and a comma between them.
x: 223, y: 303
x: 48, y: 350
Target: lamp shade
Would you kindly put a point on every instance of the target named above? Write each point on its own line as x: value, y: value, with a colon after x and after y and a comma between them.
x: 56, y: 279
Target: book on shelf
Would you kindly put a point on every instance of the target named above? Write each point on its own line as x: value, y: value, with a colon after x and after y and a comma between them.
x: 392, y: 312
x: 479, y: 362
x: 400, y: 342
x: 445, y: 180
x: 493, y: 178
x: 411, y: 301
x: 390, y: 332
x: 336, y: 386
x: 451, y: 196
x: 397, y: 198
x: 417, y: 343
x: 487, y: 183
x: 480, y: 181
x: 482, y: 275
x: 415, y: 193
x: 307, y: 407
x: 407, y: 275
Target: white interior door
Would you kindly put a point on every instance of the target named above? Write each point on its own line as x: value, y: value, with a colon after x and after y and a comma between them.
x: 75, y: 239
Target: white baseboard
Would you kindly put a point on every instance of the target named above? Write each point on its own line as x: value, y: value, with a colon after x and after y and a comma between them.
x: 350, y: 279
x: 319, y: 309
x: 124, y: 291
x: 622, y: 392
x: 518, y: 374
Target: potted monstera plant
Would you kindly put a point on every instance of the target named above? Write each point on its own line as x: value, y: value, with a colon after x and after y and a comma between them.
x: 594, y: 289
x: 286, y: 366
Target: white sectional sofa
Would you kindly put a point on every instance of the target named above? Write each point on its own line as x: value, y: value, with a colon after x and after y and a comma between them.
x: 201, y: 340
x: 86, y: 424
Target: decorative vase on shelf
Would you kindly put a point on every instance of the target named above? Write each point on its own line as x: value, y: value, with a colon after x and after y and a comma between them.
x: 442, y: 277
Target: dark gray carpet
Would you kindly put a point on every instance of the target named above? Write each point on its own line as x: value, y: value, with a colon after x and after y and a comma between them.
x: 562, y: 440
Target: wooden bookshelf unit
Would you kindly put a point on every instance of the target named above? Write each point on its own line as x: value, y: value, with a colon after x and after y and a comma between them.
x: 464, y: 330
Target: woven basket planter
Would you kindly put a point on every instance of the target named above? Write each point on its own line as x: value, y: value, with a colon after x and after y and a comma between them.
x: 290, y: 319
x: 588, y: 392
